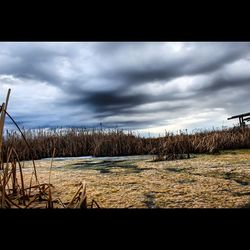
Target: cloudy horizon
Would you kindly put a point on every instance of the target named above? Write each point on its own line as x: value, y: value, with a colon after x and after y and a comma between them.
x: 149, y: 87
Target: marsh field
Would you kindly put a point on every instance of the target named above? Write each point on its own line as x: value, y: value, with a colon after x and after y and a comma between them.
x: 203, y: 181
x: 113, y: 168
x: 76, y: 168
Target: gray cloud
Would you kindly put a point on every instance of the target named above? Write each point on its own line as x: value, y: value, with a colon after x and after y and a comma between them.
x: 200, y: 58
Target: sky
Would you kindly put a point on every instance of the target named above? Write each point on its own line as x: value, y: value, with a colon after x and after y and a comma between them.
x: 149, y: 87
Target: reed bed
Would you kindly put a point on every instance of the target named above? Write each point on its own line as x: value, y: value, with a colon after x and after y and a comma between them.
x: 75, y: 142
x: 81, y: 142
x: 176, y: 146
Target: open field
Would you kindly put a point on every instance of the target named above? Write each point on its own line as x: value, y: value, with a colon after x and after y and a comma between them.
x: 203, y: 181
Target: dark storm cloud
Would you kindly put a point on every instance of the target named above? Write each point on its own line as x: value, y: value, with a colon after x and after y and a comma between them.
x: 201, y: 59
x: 114, y: 100
x: 105, y: 104
x: 221, y: 83
x: 102, y: 81
x: 127, y: 112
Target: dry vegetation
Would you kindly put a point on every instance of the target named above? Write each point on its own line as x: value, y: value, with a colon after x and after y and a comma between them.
x: 203, y: 181
x: 82, y: 142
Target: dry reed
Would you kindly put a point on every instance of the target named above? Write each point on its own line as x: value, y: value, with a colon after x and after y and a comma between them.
x: 80, y: 142
x: 16, y: 195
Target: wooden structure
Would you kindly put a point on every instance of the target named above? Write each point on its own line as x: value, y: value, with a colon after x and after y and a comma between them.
x: 243, y: 118
x: 3, y: 108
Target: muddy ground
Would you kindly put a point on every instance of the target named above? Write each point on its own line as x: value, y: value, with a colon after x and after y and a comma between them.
x: 204, y: 181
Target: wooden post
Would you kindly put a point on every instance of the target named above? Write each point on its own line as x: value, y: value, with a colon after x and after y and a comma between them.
x: 241, y: 121
x: 1, y: 126
x: 7, y: 99
x: 2, y: 119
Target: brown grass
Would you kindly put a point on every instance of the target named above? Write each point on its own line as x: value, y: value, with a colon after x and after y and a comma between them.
x: 204, y: 181
x: 80, y: 142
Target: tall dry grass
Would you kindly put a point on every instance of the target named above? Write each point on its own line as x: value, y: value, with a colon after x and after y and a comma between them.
x: 81, y: 142
x: 74, y: 142
x: 174, y: 146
